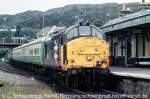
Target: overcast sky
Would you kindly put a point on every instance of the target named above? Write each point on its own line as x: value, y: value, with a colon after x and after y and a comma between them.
x: 18, y: 6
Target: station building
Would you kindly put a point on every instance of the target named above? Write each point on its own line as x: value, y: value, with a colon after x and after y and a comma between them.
x: 129, y: 38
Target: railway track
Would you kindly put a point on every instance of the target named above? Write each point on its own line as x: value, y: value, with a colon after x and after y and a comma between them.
x: 78, y: 93
x: 10, y: 69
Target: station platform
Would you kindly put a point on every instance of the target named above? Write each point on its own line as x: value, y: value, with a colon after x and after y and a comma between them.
x: 143, y: 73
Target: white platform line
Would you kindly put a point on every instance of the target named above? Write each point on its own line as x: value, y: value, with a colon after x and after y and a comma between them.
x: 131, y: 75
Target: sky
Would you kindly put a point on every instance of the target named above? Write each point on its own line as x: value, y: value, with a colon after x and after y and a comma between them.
x: 18, y: 6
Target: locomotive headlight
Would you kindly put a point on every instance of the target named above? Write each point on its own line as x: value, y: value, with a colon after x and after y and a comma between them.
x: 96, y: 49
x: 104, y: 52
x: 71, y: 60
x: 89, y: 58
x: 81, y: 49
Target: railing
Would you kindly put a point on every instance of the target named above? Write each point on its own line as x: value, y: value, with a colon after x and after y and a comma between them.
x: 13, y: 41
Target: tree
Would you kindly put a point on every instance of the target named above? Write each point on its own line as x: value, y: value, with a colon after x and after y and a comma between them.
x: 5, y: 34
x: 18, y: 31
x: 98, y: 23
x: 28, y: 32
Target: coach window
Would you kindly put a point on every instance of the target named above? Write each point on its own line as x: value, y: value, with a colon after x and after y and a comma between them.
x: 35, y: 52
x: 38, y: 51
x: 31, y: 51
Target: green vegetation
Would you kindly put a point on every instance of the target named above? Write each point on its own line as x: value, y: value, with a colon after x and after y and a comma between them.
x: 6, y: 34
x: 11, y: 91
x: 18, y: 31
x: 25, y: 32
x: 29, y: 32
x: 3, y: 51
x: 31, y: 21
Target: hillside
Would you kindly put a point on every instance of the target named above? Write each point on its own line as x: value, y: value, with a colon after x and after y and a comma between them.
x: 96, y: 13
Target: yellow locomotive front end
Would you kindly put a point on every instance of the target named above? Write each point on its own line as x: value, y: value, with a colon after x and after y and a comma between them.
x: 88, y: 52
x: 84, y: 56
x: 84, y: 46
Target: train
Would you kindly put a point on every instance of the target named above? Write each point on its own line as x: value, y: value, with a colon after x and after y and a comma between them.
x: 77, y: 56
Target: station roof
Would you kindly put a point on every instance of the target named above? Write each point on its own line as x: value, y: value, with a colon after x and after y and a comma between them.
x: 141, y: 17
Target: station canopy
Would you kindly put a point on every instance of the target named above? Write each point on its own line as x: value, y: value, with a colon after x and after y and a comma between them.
x: 130, y: 20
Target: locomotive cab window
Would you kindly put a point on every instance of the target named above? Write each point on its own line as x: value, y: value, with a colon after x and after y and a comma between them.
x: 96, y: 33
x: 85, y: 30
x: 82, y: 31
x: 72, y: 33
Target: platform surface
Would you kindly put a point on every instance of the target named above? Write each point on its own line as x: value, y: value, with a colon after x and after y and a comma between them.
x: 131, y: 72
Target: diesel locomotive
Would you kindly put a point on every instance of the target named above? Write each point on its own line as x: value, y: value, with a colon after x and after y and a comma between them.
x: 77, y: 56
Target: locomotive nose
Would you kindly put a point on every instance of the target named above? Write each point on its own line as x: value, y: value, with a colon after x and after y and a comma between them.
x: 86, y: 53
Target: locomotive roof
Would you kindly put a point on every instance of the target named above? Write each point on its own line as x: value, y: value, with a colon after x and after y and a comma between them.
x: 82, y: 24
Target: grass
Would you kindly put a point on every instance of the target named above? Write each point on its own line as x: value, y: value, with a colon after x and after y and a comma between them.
x: 11, y: 91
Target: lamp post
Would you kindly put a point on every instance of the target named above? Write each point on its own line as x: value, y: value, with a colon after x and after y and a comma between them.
x: 4, y: 19
x: 43, y: 24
